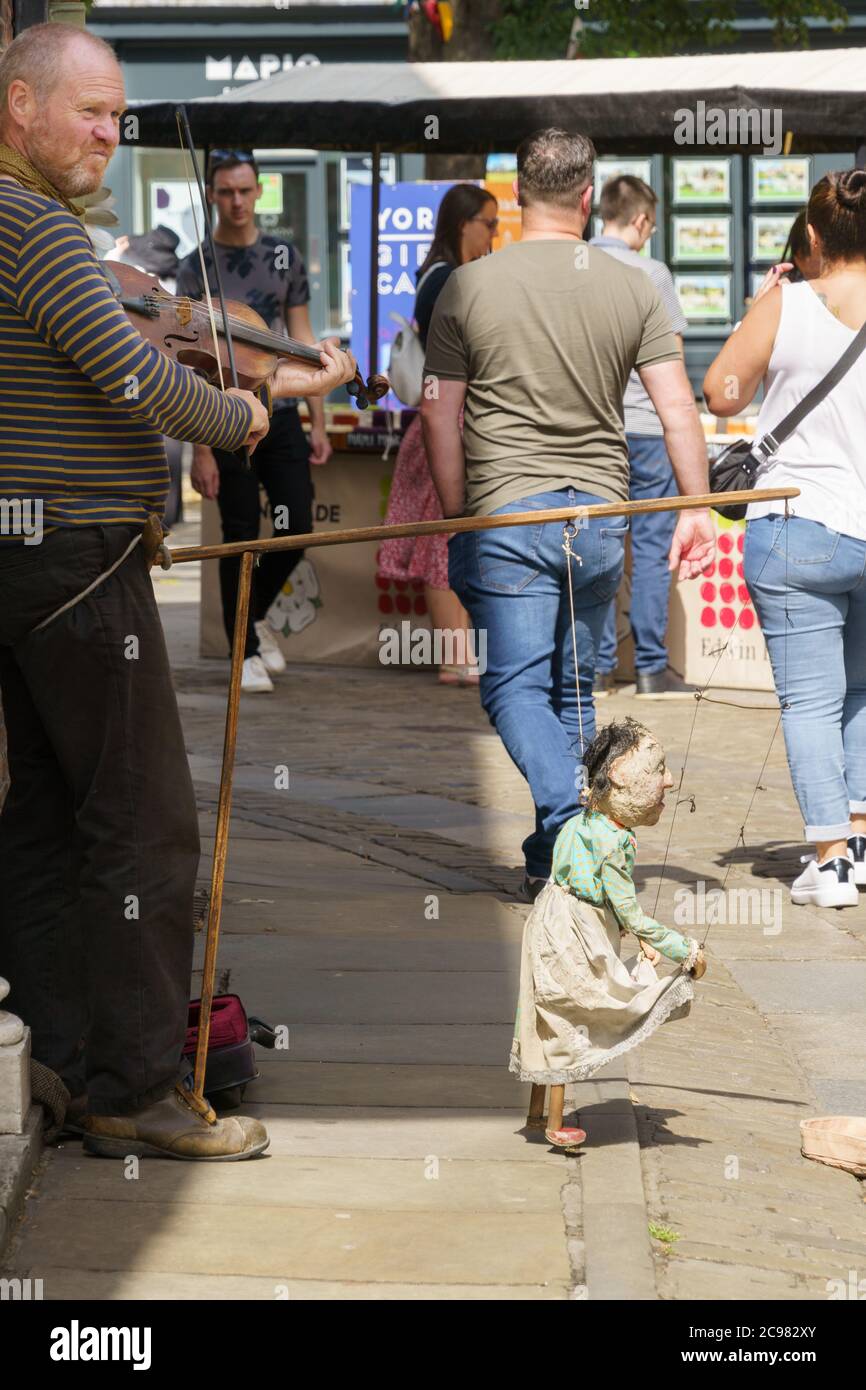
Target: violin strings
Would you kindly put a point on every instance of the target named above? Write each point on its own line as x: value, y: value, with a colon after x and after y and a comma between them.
x: 258, y: 337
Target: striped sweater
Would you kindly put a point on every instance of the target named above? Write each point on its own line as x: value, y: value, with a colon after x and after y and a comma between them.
x: 84, y: 399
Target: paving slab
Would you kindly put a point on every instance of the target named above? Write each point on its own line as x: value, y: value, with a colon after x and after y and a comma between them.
x: 296, y: 1242
x: 427, y: 1182
x: 841, y: 1097
x: 379, y: 1132
x: 338, y: 955
x: 287, y: 996
x: 404, y: 1043
x: 828, y: 1046
x: 66, y: 1284
x: 399, y: 1085
x: 811, y: 987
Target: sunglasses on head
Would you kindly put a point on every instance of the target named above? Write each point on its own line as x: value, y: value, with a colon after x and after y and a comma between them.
x: 236, y: 156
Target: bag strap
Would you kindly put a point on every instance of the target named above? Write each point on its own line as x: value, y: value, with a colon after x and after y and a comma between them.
x: 427, y: 273
x: 776, y: 438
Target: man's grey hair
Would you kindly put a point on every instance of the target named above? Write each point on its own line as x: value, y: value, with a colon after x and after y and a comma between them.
x: 554, y: 167
x: 36, y: 57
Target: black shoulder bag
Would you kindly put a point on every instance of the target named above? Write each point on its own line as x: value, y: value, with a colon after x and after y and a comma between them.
x: 736, y: 467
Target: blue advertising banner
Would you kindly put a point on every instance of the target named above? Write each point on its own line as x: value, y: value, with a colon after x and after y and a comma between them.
x: 407, y: 217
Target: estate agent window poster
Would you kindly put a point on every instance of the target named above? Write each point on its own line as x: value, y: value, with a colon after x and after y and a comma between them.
x: 701, y: 181
x: 611, y: 168
x: 704, y: 298
x: 770, y: 236
x: 780, y: 180
x: 704, y: 238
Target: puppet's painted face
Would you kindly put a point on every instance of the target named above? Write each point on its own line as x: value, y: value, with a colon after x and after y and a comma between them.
x: 638, y: 781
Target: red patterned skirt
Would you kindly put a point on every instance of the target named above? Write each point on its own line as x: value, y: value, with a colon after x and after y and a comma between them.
x: 413, y: 497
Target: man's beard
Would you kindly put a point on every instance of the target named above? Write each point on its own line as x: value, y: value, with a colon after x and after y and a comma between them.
x: 71, y: 180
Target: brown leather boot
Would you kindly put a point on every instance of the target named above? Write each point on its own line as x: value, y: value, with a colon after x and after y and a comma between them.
x: 176, y: 1127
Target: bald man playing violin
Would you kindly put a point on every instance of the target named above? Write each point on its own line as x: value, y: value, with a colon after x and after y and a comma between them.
x: 99, y: 843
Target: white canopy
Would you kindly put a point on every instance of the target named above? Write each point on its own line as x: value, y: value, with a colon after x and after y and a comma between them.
x: 620, y: 102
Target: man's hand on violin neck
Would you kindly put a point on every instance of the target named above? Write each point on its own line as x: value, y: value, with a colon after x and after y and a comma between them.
x: 293, y: 378
x: 261, y: 420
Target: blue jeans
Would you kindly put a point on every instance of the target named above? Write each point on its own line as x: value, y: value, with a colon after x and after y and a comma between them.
x: 514, y: 583
x: 819, y: 576
x: 651, y: 475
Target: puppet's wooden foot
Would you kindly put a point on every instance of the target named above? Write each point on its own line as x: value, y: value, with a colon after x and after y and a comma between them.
x: 535, y: 1118
x: 569, y: 1138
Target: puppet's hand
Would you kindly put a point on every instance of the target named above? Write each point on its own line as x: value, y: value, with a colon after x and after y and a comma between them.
x: 700, y: 966
x: 652, y: 955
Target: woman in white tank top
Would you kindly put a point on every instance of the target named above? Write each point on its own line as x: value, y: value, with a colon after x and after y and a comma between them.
x: 807, y: 575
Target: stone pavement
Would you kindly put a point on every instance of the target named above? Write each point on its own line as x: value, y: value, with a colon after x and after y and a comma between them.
x: 369, y: 910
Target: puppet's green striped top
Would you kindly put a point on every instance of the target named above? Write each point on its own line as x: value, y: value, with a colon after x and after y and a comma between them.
x: 84, y: 400
x: 594, y: 859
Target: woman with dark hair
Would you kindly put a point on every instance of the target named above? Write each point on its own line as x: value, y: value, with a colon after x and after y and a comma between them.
x: 799, y: 251
x: 465, y: 227
x: 800, y: 259
x: 807, y: 576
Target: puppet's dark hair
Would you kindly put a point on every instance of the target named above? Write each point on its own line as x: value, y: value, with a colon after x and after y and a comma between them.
x: 610, y: 743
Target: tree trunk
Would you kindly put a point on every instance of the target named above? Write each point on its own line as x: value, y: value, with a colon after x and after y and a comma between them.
x: 471, y: 41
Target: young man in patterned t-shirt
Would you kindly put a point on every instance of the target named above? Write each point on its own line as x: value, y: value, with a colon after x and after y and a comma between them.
x: 268, y: 274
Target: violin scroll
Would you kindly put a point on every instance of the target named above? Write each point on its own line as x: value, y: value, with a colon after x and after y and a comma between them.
x: 377, y: 386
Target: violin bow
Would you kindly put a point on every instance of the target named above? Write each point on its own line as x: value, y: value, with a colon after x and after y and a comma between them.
x: 187, y: 146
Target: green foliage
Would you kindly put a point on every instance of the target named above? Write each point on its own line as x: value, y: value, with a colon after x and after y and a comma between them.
x: 633, y: 28
x: 790, y: 19
x: 663, y: 1233
x: 533, y: 28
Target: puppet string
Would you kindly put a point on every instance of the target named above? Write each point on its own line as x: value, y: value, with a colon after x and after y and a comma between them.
x: 568, y: 531
x: 700, y: 696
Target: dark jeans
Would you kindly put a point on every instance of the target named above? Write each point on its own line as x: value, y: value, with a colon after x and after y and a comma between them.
x: 281, y: 464
x: 514, y: 582
x: 99, y: 837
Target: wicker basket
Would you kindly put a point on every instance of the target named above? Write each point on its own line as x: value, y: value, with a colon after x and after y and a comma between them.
x: 839, y: 1140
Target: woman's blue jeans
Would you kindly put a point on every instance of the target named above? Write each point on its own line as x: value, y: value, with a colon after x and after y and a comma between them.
x: 808, y: 585
x: 514, y: 582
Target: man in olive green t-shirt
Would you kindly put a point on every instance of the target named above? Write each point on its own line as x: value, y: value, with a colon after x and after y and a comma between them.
x: 536, y: 343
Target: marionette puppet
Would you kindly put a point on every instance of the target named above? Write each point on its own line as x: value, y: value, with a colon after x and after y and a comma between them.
x: 580, y: 1004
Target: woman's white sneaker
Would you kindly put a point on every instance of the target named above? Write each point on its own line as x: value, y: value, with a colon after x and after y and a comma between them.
x: 830, y: 884
x: 254, y: 676
x: 857, y: 855
x: 272, y: 658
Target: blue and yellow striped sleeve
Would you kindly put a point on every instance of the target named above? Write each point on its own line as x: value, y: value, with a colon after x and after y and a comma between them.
x: 64, y: 296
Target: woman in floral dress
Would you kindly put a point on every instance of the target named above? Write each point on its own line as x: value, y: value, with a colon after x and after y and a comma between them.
x: 465, y: 227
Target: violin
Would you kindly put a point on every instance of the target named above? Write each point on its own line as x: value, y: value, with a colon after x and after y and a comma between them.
x: 183, y: 330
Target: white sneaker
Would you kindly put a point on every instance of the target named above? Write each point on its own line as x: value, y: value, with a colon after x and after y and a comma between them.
x: 272, y: 657
x: 857, y: 855
x: 831, y: 884
x: 254, y: 676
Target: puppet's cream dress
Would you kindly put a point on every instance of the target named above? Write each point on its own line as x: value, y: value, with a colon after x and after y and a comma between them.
x: 580, y: 1005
